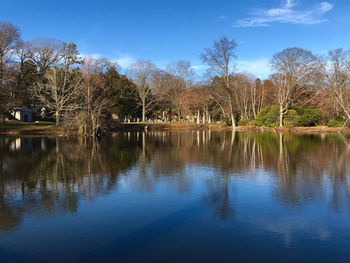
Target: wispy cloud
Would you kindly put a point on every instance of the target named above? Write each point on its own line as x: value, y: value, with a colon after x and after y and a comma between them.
x: 199, y: 67
x: 287, y: 13
x: 260, y: 67
x: 124, y: 60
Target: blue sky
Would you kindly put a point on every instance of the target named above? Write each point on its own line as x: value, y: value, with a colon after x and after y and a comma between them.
x: 164, y: 31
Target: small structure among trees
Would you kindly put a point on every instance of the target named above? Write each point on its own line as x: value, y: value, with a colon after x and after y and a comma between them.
x: 23, y: 114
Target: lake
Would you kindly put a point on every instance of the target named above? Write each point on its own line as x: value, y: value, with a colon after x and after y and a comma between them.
x: 175, y: 197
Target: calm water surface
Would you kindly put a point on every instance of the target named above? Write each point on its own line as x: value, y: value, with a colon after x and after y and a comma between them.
x: 175, y: 197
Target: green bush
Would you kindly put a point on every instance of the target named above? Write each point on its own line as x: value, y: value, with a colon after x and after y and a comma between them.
x: 302, y: 116
x: 243, y: 122
x: 291, y: 118
x: 228, y: 122
x: 309, y: 116
x: 268, y: 116
x: 295, y: 116
x: 335, y: 123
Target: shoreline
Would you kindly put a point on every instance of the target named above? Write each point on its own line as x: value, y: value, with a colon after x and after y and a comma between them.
x: 51, y: 130
x: 31, y: 128
x: 221, y: 127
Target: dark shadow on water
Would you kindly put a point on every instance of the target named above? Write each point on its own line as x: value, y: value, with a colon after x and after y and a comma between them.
x: 123, y: 249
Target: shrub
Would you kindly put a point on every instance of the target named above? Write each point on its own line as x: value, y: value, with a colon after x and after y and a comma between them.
x: 228, y: 122
x: 243, y: 122
x: 309, y: 116
x: 335, y: 123
x: 291, y: 118
x: 268, y: 116
x: 296, y: 116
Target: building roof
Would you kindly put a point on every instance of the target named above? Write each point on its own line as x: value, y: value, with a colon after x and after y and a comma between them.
x: 22, y: 109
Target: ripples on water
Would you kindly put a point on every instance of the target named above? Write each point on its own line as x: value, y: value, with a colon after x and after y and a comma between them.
x: 175, y: 197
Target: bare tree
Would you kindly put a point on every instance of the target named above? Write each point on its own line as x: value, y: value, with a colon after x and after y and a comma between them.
x: 45, y: 53
x: 58, y: 94
x: 181, y: 79
x: 69, y: 55
x: 141, y: 74
x: 259, y: 96
x: 22, y: 53
x: 219, y: 59
x: 244, y: 85
x: 95, y: 99
x: 294, y: 68
x: 59, y: 90
x: 9, y: 37
x: 196, y: 102
x: 336, y: 71
x: 183, y: 71
x: 161, y: 86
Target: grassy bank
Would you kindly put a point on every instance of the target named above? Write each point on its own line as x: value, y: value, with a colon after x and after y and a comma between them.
x: 30, y: 128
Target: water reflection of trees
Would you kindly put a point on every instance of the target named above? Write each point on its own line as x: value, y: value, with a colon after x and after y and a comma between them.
x: 57, y: 173
x: 307, y: 168
x: 52, y: 175
x: 220, y: 195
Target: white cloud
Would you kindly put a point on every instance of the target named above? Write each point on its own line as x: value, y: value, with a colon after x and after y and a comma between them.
x: 199, y: 67
x: 324, y: 7
x: 287, y: 13
x: 124, y: 60
x: 260, y: 67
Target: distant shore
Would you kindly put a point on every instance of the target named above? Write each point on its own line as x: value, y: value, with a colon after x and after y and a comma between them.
x: 222, y: 127
x: 49, y: 128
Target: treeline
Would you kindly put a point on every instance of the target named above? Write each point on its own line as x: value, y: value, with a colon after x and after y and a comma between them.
x: 90, y: 94
x: 51, y: 77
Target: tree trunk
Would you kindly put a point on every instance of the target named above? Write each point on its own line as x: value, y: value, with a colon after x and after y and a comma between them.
x: 232, y: 115
x: 143, y: 111
x: 254, y: 111
x: 57, y: 116
x: 233, y: 121
x: 281, y: 116
x: 93, y: 122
